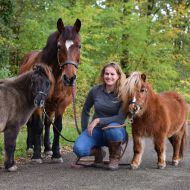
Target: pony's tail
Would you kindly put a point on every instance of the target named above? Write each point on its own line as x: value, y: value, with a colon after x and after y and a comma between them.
x: 183, y: 141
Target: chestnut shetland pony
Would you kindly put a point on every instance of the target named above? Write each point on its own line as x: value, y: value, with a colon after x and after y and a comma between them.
x: 19, y: 97
x: 62, y: 54
x: 157, y: 116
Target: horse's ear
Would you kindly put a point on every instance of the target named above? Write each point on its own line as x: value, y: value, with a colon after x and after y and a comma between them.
x: 143, y: 77
x: 34, y: 67
x: 38, y: 68
x: 77, y: 25
x: 60, y: 25
x: 127, y: 75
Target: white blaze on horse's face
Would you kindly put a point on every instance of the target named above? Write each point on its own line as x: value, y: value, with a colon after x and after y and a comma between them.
x: 134, y: 99
x: 68, y: 44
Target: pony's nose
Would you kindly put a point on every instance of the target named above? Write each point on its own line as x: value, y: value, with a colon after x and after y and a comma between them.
x: 133, y: 107
x: 39, y: 102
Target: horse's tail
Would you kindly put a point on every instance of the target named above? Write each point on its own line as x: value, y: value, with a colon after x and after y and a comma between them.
x: 183, y: 140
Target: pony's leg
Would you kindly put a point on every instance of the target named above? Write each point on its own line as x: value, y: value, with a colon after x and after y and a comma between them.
x: 178, y: 141
x: 10, y: 135
x: 30, y: 137
x: 37, y: 132
x: 138, y: 150
x: 159, y: 145
x: 56, y: 147
x: 47, y: 144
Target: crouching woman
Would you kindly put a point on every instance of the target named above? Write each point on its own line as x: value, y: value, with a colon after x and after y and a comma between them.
x: 107, y: 112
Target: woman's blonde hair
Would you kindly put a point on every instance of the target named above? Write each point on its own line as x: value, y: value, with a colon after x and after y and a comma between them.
x: 121, y: 79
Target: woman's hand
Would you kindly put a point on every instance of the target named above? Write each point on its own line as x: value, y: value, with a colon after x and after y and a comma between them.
x: 92, y: 125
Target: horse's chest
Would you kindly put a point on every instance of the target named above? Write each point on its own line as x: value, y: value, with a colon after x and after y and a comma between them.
x: 143, y: 129
x: 61, y: 97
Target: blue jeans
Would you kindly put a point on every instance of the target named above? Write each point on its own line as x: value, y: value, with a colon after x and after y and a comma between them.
x: 84, y: 143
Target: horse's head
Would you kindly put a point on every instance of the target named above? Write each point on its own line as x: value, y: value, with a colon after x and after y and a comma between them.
x: 42, y: 82
x: 68, y: 53
x: 134, y: 94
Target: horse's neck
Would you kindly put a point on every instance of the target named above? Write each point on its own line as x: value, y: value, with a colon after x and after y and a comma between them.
x: 152, y: 103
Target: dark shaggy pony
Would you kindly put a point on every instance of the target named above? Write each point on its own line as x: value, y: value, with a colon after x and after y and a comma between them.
x: 19, y: 97
x: 159, y: 116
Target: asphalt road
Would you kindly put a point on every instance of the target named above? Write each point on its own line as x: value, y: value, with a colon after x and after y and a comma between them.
x: 50, y: 176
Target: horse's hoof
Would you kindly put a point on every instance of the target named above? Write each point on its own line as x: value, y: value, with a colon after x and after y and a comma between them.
x: 29, y: 151
x: 12, y: 168
x: 161, y: 166
x: 48, y: 153
x: 38, y: 161
x: 175, y: 162
x: 57, y: 160
x: 134, y: 166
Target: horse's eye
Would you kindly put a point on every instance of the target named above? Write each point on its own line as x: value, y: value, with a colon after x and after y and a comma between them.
x: 58, y: 45
x: 143, y: 90
x: 79, y: 46
x: 47, y: 83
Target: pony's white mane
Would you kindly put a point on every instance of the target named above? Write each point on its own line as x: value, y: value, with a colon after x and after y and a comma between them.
x: 131, y: 84
x: 133, y: 81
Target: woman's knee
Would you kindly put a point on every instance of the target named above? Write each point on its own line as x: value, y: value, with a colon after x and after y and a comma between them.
x: 81, y: 150
x: 116, y: 134
x: 83, y: 145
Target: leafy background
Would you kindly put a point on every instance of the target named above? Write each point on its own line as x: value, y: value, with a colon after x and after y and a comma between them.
x: 147, y: 35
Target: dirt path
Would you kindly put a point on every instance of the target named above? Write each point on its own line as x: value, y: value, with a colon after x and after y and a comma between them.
x: 50, y: 176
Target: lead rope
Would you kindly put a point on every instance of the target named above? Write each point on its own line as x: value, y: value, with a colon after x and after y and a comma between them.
x: 54, y: 126
x: 74, y: 107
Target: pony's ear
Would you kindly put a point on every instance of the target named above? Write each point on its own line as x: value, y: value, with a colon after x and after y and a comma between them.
x: 77, y: 25
x: 38, y: 68
x: 34, y: 67
x: 127, y: 75
x: 60, y: 25
x: 143, y: 77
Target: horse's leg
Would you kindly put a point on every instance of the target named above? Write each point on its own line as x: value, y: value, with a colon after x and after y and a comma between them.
x: 56, y: 147
x: 37, y: 132
x: 177, y: 142
x: 47, y: 144
x: 10, y: 135
x: 138, y: 150
x: 29, y: 140
x: 159, y: 145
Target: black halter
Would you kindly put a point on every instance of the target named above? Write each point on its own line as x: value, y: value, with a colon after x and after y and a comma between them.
x: 66, y: 80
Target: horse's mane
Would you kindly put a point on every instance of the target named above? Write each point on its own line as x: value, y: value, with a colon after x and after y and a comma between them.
x: 23, y: 80
x: 132, y: 82
x: 48, y: 72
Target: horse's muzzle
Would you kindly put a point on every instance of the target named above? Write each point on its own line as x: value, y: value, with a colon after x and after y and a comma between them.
x: 39, y: 100
x: 69, y: 81
x: 134, y: 108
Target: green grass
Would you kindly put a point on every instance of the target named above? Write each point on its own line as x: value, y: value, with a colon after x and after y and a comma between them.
x: 68, y: 131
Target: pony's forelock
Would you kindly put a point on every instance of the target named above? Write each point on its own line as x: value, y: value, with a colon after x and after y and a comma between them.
x: 131, y: 84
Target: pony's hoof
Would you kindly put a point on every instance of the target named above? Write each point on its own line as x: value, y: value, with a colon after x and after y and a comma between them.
x: 12, y: 169
x: 29, y: 151
x: 38, y: 161
x: 161, y: 166
x: 175, y: 162
x: 48, y: 153
x: 57, y: 160
x: 134, y: 166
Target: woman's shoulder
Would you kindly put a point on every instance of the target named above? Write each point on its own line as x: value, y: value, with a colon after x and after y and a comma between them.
x: 97, y: 87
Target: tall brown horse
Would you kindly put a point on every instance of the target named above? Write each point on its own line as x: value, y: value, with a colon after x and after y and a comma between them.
x: 62, y: 54
x: 19, y: 97
x: 157, y: 116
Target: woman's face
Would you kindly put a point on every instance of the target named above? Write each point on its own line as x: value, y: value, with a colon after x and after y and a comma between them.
x: 110, y: 76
